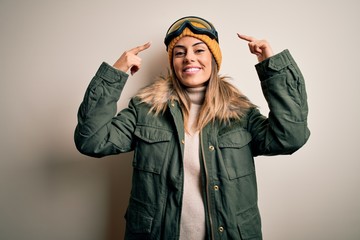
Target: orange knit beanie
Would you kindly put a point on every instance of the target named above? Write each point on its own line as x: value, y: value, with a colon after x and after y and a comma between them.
x: 212, y: 44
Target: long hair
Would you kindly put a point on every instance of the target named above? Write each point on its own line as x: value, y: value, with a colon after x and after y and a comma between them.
x: 222, y: 100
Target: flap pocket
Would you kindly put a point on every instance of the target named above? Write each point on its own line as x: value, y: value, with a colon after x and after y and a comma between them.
x: 152, y: 148
x: 234, y: 139
x: 236, y: 153
x: 152, y: 135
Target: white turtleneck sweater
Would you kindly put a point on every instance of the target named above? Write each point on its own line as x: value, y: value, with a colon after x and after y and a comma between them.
x: 192, y: 225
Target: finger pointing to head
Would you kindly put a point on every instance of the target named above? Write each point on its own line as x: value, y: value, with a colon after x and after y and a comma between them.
x: 141, y: 48
x: 246, y: 38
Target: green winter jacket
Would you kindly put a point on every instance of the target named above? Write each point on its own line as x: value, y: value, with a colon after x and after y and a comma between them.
x: 227, y: 151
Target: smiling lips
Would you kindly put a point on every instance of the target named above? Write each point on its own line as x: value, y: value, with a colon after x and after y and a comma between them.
x: 192, y: 69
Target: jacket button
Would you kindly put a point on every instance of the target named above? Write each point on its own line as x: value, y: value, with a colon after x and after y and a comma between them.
x: 211, y: 148
x: 216, y: 187
x: 173, y: 104
x: 182, y: 141
x: 221, y: 229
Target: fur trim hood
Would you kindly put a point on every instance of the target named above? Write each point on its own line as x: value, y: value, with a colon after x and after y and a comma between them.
x: 162, y: 90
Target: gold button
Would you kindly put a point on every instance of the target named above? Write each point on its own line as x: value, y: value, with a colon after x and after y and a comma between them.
x: 221, y: 229
x: 211, y: 148
x: 182, y: 141
x: 173, y: 104
x: 216, y: 187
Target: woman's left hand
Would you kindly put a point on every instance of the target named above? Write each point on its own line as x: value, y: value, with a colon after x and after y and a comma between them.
x: 261, y: 48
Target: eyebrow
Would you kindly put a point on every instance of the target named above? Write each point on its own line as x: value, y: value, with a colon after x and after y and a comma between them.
x: 195, y: 44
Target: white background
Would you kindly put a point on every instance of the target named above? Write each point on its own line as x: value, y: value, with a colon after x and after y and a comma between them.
x: 50, y: 50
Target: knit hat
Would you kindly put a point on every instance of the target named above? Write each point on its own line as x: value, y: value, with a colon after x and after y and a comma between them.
x: 212, y: 43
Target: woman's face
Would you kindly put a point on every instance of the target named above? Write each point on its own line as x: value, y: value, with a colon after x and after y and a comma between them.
x: 192, y: 62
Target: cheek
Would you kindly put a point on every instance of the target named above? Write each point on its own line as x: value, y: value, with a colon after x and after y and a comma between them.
x: 207, y: 60
x: 175, y: 66
x: 176, y: 71
x: 209, y: 66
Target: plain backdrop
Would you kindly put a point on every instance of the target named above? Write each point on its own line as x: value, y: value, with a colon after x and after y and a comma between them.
x: 50, y: 50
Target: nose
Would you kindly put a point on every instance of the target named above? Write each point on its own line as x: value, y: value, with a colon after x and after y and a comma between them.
x: 189, y: 57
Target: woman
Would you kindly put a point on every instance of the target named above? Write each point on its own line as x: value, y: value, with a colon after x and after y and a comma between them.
x: 194, y: 135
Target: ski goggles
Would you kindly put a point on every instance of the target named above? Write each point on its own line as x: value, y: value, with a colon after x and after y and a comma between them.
x: 187, y: 22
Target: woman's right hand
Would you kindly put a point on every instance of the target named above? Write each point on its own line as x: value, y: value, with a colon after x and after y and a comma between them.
x: 130, y: 59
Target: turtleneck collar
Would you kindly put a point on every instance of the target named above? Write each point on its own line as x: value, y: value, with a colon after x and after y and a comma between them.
x: 196, y: 94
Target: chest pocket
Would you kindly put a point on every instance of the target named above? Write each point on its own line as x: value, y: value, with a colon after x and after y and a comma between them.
x: 236, y: 153
x: 152, y: 148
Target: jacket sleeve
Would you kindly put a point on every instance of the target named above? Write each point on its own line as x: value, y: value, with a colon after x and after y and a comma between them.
x: 285, y: 129
x: 99, y: 132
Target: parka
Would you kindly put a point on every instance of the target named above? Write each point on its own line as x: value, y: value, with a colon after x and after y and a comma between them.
x: 227, y: 151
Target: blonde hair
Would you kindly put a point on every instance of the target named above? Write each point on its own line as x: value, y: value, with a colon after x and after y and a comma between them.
x: 222, y: 100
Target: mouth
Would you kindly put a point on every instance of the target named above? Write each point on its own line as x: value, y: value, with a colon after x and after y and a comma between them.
x: 191, y: 69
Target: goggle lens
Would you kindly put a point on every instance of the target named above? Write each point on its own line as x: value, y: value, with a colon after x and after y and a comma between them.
x: 177, y: 27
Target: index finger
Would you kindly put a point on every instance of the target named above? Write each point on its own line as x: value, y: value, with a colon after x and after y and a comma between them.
x: 141, y: 48
x: 246, y: 38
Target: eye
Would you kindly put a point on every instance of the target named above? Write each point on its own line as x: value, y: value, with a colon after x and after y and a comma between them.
x: 179, y: 53
x: 199, y: 51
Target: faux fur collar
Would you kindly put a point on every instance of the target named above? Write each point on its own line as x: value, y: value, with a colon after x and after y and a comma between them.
x: 160, y: 92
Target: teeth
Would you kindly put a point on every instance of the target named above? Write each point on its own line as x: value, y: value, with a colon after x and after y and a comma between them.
x: 191, y: 69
